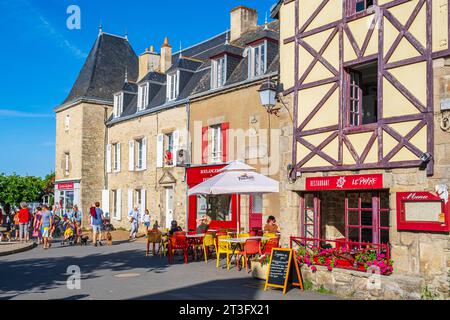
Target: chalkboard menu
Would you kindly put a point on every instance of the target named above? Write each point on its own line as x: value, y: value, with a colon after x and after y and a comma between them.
x: 279, y: 274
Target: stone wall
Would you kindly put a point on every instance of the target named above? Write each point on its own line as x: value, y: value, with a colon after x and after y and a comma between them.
x: 364, y: 286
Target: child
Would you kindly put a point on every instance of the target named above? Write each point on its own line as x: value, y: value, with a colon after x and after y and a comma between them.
x: 146, y: 220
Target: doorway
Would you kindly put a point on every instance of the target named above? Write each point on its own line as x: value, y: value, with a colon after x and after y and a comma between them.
x: 169, y: 206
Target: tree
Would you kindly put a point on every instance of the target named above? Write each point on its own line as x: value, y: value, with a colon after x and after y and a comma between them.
x: 15, y: 189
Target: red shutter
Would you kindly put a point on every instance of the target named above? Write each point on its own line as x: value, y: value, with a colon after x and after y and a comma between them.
x: 204, y: 145
x: 225, y: 128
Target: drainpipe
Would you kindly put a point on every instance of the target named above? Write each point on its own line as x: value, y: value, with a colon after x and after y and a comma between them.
x: 105, y: 145
x: 188, y: 145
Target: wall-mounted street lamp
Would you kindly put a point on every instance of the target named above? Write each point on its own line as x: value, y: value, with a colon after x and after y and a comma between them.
x: 268, y: 96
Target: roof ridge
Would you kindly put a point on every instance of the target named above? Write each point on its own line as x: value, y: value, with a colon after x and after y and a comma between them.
x: 199, y: 43
x: 114, y: 35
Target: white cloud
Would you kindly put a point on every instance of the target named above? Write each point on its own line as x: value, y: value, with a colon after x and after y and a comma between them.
x: 7, y: 113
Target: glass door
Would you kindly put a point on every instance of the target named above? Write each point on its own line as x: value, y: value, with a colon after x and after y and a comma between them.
x: 310, y: 215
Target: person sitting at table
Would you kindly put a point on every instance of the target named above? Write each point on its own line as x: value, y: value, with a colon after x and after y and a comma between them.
x: 174, y: 228
x: 271, y: 226
x: 203, y: 224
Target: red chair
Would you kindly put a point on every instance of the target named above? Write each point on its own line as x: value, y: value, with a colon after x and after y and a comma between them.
x: 251, y: 248
x: 271, y: 243
x: 178, y: 242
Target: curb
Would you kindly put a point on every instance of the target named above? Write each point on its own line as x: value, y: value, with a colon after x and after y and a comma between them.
x: 24, y: 249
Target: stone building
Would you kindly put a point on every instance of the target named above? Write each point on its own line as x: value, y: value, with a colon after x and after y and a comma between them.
x: 367, y: 83
x: 147, y: 151
x: 81, y: 118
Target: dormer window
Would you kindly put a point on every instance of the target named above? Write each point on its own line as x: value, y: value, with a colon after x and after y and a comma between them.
x: 173, y: 85
x: 143, y: 96
x: 355, y: 6
x: 258, y: 60
x: 219, y: 72
x: 118, y: 105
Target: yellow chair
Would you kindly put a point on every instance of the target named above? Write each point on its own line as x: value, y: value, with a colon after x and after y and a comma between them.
x: 163, y: 245
x: 270, y: 235
x: 208, y: 242
x: 244, y: 235
x: 224, y: 248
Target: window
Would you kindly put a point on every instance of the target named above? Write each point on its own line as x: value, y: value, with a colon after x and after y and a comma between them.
x: 168, y: 150
x: 115, y: 204
x: 216, y: 139
x: 258, y: 60
x: 140, y: 153
x: 67, y: 164
x: 310, y: 204
x: 118, y: 105
x: 116, y: 157
x: 219, y: 72
x: 355, y: 6
x: 367, y: 216
x: 138, y: 197
x: 143, y: 96
x: 67, y: 123
x: 172, y: 86
x: 218, y: 208
x: 362, y: 90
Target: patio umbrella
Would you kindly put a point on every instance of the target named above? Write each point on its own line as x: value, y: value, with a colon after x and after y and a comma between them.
x: 237, y: 178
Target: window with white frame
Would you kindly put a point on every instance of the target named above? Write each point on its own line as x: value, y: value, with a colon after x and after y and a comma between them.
x: 219, y: 72
x: 138, y: 197
x: 116, y: 157
x: 143, y: 96
x: 115, y: 204
x: 216, y: 143
x: 168, y: 150
x: 118, y: 105
x: 172, y: 86
x: 258, y: 60
x: 140, y: 154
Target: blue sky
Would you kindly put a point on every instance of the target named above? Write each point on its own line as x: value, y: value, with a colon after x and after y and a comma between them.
x: 40, y: 59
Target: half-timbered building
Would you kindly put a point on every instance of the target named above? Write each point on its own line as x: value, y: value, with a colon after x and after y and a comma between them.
x: 366, y: 82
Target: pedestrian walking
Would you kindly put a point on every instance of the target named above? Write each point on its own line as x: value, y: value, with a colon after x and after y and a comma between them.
x: 16, y: 225
x: 36, y: 223
x: 24, y: 220
x: 146, y: 221
x: 76, y: 218
x: 133, y: 218
x: 45, y: 225
x: 97, y: 223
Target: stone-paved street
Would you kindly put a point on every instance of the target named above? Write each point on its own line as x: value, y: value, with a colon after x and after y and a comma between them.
x: 123, y: 272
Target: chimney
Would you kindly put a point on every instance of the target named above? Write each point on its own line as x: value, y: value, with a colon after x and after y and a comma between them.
x: 166, y: 56
x: 243, y: 20
x: 148, y: 61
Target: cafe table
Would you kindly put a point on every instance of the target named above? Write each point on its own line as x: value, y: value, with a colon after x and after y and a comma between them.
x: 237, y: 242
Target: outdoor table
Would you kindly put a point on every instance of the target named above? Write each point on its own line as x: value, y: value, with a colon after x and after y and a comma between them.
x: 237, y: 242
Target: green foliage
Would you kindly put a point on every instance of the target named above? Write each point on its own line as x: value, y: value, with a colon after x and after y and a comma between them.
x: 323, y: 290
x: 308, y: 285
x: 15, y: 189
x: 427, y: 294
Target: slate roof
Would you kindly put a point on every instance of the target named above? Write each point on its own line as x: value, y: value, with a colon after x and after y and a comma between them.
x: 104, y: 70
x: 195, y: 65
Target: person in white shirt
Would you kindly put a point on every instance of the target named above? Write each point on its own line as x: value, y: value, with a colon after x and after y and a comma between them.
x: 146, y: 220
x: 133, y: 218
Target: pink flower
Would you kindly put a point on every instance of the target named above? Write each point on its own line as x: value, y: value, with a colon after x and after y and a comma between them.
x: 314, y: 269
x: 330, y: 268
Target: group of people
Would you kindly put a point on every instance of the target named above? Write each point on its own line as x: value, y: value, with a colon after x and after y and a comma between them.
x: 136, y: 219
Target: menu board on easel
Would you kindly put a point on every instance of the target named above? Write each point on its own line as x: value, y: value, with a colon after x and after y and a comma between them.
x: 283, y: 269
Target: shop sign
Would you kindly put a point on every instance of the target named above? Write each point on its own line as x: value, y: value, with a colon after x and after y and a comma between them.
x: 422, y: 211
x: 66, y: 186
x: 197, y: 175
x: 355, y: 182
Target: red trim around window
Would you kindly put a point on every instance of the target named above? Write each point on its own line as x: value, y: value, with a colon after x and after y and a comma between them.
x: 225, y: 128
x: 205, y: 145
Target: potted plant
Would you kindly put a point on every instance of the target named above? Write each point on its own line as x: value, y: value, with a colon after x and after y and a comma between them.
x: 260, y: 267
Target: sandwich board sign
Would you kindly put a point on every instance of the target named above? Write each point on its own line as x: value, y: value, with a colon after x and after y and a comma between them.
x: 283, y: 269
